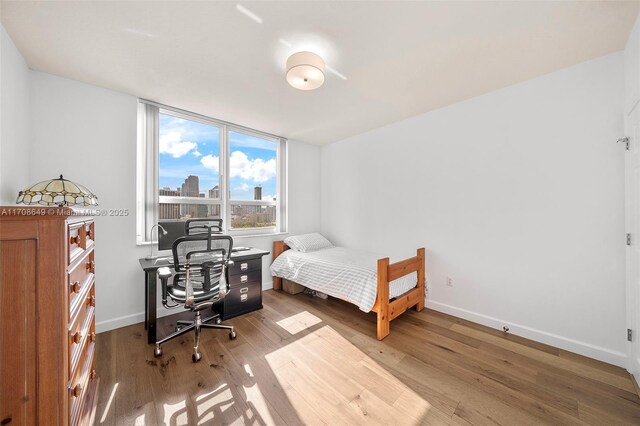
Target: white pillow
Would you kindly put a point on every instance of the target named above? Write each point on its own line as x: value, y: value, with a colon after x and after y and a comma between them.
x: 308, y: 242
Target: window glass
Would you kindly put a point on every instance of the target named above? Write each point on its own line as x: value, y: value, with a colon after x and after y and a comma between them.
x: 189, y: 158
x: 252, y: 167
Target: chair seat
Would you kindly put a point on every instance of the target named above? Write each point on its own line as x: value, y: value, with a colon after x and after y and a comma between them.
x: 179, y: 294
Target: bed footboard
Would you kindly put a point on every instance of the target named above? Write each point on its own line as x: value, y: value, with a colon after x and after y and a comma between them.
x: 389, y: 310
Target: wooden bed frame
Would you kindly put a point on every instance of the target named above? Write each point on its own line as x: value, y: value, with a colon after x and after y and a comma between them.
x: 387, y: 310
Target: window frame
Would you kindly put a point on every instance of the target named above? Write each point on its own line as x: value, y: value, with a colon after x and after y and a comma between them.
x: 148, y: 164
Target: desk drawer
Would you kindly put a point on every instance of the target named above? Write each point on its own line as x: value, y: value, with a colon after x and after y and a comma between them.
x: 245, y: 278
x: 242, y: 299
x: 241, y: 267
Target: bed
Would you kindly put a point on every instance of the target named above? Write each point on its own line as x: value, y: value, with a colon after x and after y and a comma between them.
x: 372, y: 284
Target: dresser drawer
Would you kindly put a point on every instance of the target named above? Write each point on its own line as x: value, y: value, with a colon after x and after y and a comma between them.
x: 79, y: 279
x: 81, y: 331
x: 245, y: 278
x: 89, y: 230
x: 82, y: 382
x: 242, y: 299
x: 76, y: 241
x: 240, y: 267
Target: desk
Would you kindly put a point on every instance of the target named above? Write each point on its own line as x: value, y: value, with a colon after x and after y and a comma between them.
x: 151, y: 266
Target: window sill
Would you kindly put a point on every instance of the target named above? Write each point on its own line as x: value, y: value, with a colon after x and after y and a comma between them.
x: 235, y: 237
x: 271, y: 234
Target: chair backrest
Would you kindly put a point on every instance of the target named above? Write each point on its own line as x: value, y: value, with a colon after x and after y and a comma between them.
x: 199, y: 226
x: 202, y: 258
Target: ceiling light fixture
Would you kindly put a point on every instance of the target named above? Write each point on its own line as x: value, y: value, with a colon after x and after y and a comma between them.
x: 305, y: 70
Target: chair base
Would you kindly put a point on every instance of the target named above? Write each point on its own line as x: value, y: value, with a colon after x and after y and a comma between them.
x: 197, y: 325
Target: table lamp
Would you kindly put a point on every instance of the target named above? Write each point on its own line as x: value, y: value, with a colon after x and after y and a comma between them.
x: 164, y: 232
x: 57, y: 192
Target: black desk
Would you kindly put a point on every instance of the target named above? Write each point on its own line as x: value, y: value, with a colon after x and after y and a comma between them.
x: 151, y: 266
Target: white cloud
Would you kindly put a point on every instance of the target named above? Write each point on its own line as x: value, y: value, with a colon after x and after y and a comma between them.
x: 172, y: 143
x: 242, y: 188
x: 268, y: 197
x: 197, y: 153
x: 211, y: 162
x: 256, y: 170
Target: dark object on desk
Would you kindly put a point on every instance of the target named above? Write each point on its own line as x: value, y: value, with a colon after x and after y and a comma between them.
x: 233, y: 304
x: 197, y: 284
x: 175, y: 230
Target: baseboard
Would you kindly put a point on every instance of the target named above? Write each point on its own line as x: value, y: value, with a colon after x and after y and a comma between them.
x: 112, y: 324
x: 582, y: 348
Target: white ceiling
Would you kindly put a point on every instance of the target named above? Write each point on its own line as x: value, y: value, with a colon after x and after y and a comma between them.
x: 400, y: 58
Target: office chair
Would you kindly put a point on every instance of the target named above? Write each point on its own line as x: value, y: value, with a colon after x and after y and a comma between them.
x: 200, y: 282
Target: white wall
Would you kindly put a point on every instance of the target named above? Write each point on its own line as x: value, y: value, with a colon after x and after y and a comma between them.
x: 14, y: 121
x: 631, y: 114
x: 517, y: 195
x: 89, y: 134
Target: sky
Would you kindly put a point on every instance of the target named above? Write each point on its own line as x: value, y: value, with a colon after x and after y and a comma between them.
x: 193, y: 148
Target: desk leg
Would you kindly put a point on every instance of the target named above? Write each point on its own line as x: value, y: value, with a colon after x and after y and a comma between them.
x: 151, y: 307
x: 146, y: 300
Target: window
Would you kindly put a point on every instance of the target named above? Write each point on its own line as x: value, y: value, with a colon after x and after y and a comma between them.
x: 190, y: 166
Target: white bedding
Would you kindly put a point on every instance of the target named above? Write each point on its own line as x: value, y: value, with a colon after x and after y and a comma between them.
x: 339, y: 272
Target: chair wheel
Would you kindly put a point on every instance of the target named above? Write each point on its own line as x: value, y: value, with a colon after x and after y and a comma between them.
x: 232, y: 335
x: 178, y: 328
x: 218, y: 320
x: 196, y: 357
x: 157, y: 352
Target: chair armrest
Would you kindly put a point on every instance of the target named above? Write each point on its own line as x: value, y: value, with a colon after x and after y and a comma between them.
x: 164, y: 274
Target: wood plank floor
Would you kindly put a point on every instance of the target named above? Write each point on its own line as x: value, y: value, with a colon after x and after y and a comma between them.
x: 303, y: 360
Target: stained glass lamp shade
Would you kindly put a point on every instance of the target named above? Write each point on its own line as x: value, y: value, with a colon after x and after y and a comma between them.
x: 57, y: 192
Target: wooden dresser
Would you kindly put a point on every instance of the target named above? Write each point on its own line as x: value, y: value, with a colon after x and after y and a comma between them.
x: 47, y: 320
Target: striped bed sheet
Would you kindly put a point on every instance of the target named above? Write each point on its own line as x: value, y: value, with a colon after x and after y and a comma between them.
x: 347, y: 274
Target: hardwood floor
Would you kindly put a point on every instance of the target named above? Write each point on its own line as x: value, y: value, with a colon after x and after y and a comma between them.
x: 303, y: 360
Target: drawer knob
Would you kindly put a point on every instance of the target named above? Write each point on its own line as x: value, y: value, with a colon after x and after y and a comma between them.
x: 93, y: 374
x: 77, y: 390
x: 243, y: 278
x: 92, y: 336
x: 74, y: 240
x: 91, y: 265
x: 244, y: 266
x: 75, y: 287
x: 92, y: 301
x: 77, y: 336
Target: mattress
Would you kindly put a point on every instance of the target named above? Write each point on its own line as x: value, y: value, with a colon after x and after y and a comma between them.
x: 347, y: 274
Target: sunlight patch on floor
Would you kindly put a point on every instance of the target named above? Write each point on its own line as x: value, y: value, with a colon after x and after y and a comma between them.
x: 256, y: 400
x: 106, y: 409
x: 327, y: 378
x: 209, y: 404
x: 298, y: 322
x: 176, y: 414
x: 139, y: 421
